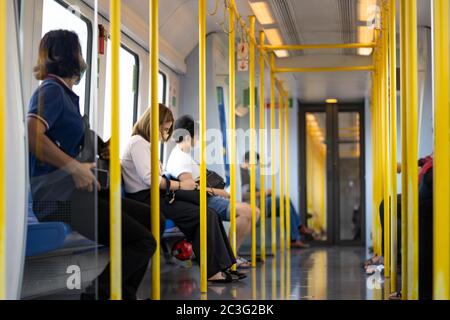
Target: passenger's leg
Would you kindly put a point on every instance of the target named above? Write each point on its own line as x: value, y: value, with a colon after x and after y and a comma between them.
x: 243, y: 222
x: 186, y: 216
x: 295, y: 223
x: 138, y: 244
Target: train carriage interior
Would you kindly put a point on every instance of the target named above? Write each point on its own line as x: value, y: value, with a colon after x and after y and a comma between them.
x: 241, y: 149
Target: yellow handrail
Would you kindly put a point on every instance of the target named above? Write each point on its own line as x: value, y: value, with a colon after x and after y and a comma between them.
x: 393, y: 139
x: 2, y: 149
x: 252, y: 141
x: 319, y: 46
x: 202, y: 113
x: 286, y: 150
x: 281, y: 167
x: 262, y: 155
x: 385, y: 138
x: 441, y: 250
x: 115, y: 193
x: 403, y: 106
x: 410, y: 140
x: 155, y: 193
x: 323, y: 69
x: 232, y: 115
x: 272, y: 156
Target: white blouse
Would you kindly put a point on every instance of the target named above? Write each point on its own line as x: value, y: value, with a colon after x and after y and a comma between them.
x: 136, y: 170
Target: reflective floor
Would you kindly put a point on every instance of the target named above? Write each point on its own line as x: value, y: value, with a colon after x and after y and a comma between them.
x: 320, y: 273
x: 313, y: 274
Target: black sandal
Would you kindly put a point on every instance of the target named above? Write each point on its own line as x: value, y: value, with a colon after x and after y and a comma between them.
x: 238, y: 274
x: 228, y: 278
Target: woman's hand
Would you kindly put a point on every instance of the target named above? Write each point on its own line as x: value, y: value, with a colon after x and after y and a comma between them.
x: 83, y: 176
x: 221, y: 193
x: 188, y: 184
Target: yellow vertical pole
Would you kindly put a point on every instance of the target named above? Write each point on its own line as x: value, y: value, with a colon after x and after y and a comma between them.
x: 281, y: 172
x: 385, y: 135
x: 286, y: 150
x: 441, y: 243
x: 272, y: 155
x: 202, y: 113
x: 404, y: 106
x: 232, y: 98
x: 2, y: 149
x: 252, y: 138
x: 262, y: 148
x: 115, y: 193
x: 393, y: 139
x: 410, y: 140
x: 155, y: 207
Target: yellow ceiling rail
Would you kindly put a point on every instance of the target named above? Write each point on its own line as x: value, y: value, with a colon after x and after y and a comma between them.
x: 319, y: 46
x: 2, y: 149
x: 323, y: 69
x: 115, y: 193
x: 441, y: 222
x: 155, y: 196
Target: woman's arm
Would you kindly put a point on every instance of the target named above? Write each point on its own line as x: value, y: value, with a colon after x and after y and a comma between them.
x: 46, y: 151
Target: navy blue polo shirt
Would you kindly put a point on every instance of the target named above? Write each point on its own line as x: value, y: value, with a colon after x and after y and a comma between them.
x: 58, y: 108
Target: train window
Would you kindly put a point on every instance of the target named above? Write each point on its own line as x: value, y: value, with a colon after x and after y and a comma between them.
x: 129, y: 66
x: 162, y: 95
x: 58, y: 15
x: 162, y: 88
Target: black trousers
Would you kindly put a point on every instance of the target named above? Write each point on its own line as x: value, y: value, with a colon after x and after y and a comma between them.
x: 425, y: 243
x: 138, y: 244
x: 186, y: 216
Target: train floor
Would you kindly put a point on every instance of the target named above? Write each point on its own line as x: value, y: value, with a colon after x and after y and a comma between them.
x: 318, y: 273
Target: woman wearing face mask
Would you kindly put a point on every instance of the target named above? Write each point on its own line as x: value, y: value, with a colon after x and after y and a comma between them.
x: 137, y: 179
x: 63, y: 188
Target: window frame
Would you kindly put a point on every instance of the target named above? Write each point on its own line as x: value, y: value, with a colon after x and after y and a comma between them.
x: 88, y: 73
x: 164, y: 100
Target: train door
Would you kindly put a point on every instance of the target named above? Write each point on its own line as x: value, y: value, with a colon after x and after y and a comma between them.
x: 332, y: 172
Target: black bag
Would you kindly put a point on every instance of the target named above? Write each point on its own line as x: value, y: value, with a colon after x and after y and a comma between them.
x: 214, y: 180
x: 87, y: 151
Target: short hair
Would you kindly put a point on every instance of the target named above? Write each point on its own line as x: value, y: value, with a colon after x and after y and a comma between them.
x: 144, y: 124
x: 59, y: 54
x: 183, y: 126
x: 247, y: 157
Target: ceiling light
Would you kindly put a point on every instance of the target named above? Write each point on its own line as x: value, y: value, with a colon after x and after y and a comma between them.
x: 282, y: 53
x: 365, y: 35
x: 331, y: 101
x: 274, y: 36
x: 262, y: 12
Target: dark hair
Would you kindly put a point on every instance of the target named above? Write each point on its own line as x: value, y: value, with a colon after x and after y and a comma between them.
x: 183, y: 126
x: 59, y: 54
x: 247, y: 157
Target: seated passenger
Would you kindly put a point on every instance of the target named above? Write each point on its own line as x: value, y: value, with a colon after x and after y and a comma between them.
x: 137, y: 178
x: 64, y: 187
x: 296, y: 227
x: 182, y: 166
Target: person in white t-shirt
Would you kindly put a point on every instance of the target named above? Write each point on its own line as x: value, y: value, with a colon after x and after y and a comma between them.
x: 136, y: 172
x: 182, y: 166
